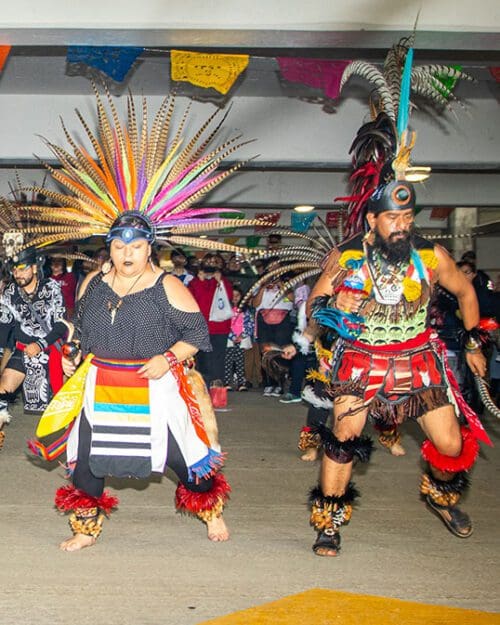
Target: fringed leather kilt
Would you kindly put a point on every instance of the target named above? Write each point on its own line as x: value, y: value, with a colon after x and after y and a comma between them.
x: 395, y: 382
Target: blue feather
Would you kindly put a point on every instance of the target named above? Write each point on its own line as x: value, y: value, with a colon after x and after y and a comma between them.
x: 348, y: 325
x: 404, y: 98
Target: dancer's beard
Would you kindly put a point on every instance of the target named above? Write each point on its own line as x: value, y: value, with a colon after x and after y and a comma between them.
x: 395, y: 250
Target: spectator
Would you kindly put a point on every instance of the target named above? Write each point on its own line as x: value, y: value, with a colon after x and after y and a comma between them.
x: 205, y: 289
x: 239, y: 341
x: 237, y: 275
x: 274, y: 322
x: 193, y: 265
x: 179, y: 262
x: 67, y: 281
x: 487, y: 298
x: 274, y: 241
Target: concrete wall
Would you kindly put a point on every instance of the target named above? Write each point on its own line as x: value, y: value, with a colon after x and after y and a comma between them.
x: 444, y: 15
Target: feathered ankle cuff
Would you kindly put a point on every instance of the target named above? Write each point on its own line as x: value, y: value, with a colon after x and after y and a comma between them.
x: 309, y: 439
x: 87, y: 512
x: 204, y: 505
x: 444, y: 493
x: 330, y: 512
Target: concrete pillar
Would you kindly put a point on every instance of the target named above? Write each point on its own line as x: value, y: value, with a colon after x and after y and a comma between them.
x: 462, y: 220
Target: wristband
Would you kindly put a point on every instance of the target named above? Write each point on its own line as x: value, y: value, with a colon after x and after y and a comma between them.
x: 472, y: 340
x: 171, y: 358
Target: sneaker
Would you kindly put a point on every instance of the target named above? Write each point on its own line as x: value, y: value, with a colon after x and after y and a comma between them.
x: 268, y: 391
x: 290, y: 399
x: 276, y: 391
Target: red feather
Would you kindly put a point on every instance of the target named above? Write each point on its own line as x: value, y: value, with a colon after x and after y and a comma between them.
x: 189, y: 501
x: 70, y: 498
x: 452, y: 464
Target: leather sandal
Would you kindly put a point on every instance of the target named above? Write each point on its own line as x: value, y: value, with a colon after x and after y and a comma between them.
x: 328, y: 539
x: 456, y: 521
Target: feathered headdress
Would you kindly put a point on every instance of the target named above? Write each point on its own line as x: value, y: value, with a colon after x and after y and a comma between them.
x: 383, y: 146
x: 155, y: 172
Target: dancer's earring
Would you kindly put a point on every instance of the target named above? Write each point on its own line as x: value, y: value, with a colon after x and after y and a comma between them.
x: 106, y: 266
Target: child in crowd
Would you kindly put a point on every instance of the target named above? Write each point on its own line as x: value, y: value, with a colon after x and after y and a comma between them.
x: 239, y: 340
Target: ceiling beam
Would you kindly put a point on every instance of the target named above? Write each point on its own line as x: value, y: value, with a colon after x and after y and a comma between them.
x: 263, y: 41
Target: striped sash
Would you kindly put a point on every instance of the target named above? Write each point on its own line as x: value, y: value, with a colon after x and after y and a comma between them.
x: 121, y: 421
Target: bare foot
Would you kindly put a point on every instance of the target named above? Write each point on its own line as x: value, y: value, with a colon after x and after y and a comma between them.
x: 310, y: 455
x: 217, y: 530
x: 397, y: 449
x: 77, y: 542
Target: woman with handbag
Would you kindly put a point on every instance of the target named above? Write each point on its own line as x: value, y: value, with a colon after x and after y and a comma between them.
x: 213, y: 294
x: 274, y: 323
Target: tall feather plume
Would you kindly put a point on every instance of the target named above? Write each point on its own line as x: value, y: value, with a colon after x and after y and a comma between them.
x: 159, y: 171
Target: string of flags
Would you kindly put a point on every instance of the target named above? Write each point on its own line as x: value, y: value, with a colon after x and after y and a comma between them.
x: 217, y: 72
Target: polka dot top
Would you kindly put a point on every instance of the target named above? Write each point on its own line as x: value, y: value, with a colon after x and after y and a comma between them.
x: 145, y: 323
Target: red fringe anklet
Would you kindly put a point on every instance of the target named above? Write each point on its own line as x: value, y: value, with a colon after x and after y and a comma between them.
x: 202, y: 504
x: 71, y: 498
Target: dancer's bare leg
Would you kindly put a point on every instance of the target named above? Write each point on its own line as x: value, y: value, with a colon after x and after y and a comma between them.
x: 217, y: 529
x: 335, y: 476
x: 77, y: 542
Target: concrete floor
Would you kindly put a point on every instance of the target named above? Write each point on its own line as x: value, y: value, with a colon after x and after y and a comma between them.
x: 152, y: 566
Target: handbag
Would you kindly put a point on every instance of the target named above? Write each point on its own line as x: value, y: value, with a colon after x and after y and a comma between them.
x: 218, y: 395
x: 273, y: 316
x: 221, y: 309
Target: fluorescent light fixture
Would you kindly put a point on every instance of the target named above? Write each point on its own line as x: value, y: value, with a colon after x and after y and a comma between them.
x: 417, y: 174
x: 303, y: 208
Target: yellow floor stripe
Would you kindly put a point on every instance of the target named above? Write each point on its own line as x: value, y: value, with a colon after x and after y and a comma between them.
x: 330, y: 607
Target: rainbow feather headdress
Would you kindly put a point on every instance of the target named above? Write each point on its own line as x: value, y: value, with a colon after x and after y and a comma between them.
x: 155, y: 172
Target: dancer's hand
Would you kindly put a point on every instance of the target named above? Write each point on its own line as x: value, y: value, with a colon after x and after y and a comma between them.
x: 288, y: 352
x: 154, y: 368
x: 32, y: 349
x: 69, y: 366
x: 349, y: 302
x: 476, y: 362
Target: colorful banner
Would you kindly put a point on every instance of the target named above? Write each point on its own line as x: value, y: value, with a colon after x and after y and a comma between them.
x: 448, y: 82
x: 332, y: 219
x: 495, y: 72
x: 252, y: 241
x: 441, y: 212
x: 238, y: 215
x: 114, y: 61
x: 301, y: 222
x: 216, y: 71
x: 4, y: 53
x: 324, y: 75
x: 271, y: 220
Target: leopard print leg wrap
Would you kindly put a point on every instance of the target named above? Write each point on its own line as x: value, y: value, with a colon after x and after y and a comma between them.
x: 86, y: 521
x: 309, y: 439
x: 330, y: 512
x: 444, y: 493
